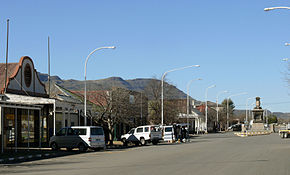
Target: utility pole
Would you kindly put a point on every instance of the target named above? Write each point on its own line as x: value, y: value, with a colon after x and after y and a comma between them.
x: 6, y: 66
x: 48, y: 67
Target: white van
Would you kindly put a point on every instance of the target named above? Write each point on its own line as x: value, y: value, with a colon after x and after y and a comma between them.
x: 81, y: 137
x: 92, y: 135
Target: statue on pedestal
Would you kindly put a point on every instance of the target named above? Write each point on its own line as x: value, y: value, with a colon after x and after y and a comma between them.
x: 258, y: 112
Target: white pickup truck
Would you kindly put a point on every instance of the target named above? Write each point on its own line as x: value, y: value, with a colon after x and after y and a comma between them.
x: 142, y: 135
x: 285, y: 133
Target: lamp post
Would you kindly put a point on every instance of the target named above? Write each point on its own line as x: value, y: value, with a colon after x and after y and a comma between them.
x: 273, y: 8
x: 162, y: 80
x: 252, y: 110
x: 85, y: 102
x: 141, y: 115
x: 247, y: 108
x: 243, y: 93
x: 266, y: 114
x: 187, y: 100
x: 212, y: 86
x: 217, y: 106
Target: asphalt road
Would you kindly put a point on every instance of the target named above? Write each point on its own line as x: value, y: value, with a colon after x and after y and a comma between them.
x: 217, y: 154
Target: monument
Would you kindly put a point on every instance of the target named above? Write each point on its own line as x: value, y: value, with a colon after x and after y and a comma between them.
x: 258, y: 112
x: 257, y: 125
x: 258, y: 122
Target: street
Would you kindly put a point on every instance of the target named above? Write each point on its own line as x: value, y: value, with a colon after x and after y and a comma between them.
x: 207, y: 154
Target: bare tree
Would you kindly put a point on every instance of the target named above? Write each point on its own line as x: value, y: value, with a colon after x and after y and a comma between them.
x: 153, y: 90
x: 114, y: 107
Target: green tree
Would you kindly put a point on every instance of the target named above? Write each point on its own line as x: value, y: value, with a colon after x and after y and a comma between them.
x: 272, y: 119
x: 223, y: 112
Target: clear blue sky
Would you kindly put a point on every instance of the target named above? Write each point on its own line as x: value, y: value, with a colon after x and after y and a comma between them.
x: 237, y: 44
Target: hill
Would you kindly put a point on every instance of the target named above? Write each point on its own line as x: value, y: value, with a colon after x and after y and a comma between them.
x: 138, y: 85
x: 285, y: 116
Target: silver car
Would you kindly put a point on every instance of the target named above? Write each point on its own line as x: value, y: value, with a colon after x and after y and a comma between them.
x: 67, y: 138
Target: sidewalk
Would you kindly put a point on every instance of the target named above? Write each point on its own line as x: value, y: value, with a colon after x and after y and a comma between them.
x: 23, y: 155
x: 10, y: 156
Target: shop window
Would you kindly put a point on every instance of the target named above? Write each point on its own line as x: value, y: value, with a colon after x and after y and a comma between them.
x: 10, y: 125
x: 27, y: 126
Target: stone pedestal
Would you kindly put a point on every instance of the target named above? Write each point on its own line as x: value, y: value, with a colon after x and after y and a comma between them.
x: 258, y: 127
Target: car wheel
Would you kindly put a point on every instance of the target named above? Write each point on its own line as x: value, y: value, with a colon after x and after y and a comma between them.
x: 282, y: 135
x: 285, y: 135
x: 125, y: 143
x: 69, y: 149
x: 142, y: 141
x: 54, y: 146
x: 96, y: 149
x: 82, y: 147
x: 154, y: 142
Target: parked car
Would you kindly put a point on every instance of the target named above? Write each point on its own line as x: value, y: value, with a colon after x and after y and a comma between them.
x: 143, y: 135
x: 92, y: 135
x: 235, y: 127
x: 125, y: 138
x: 82, y: 137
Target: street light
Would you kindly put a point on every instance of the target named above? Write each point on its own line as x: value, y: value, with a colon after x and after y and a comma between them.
x: 266, y: 113
x: 217, y: 106
x: 141, y: 115
x: 212, y: 86
x: 243, y: 93
x: 85, y: 102
x: 162, y: 79
x: 273, y: 8
x: 187, y: 106
x: 253, y: 104
x: 247, y: 108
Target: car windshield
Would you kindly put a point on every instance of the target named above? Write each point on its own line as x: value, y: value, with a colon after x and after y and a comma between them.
x: 131, y: 131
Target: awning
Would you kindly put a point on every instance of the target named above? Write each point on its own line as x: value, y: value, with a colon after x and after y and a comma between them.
x: 29, y: 100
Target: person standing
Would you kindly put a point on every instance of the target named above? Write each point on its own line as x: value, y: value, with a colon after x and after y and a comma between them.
x: 178, y: 133
x: 183, y: 134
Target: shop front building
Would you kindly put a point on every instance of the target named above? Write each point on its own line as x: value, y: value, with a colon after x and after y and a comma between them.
x: 27, y: 113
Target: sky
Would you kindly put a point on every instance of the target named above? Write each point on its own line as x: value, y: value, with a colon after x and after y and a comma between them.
x: 238, y: 45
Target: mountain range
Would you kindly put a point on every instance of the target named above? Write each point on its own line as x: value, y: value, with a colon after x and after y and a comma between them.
x: 138, y: 85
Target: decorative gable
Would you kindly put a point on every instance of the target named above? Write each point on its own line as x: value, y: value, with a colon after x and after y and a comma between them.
x: 23, y: 79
